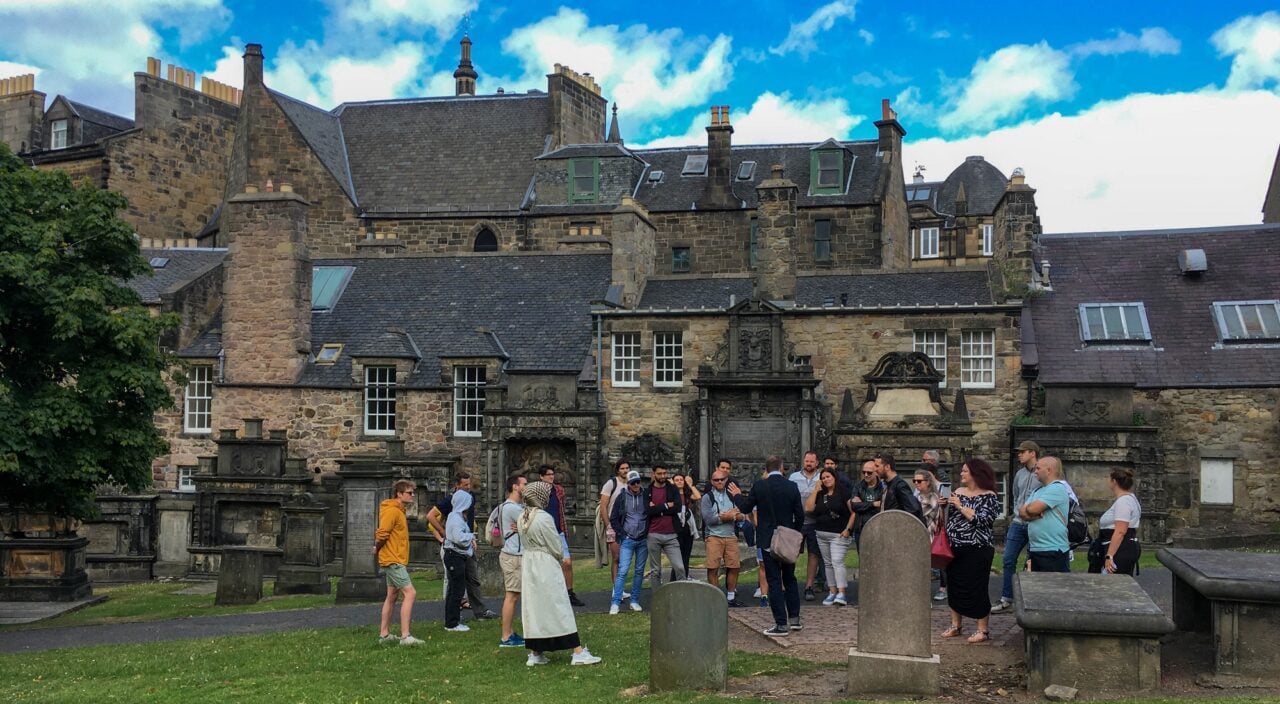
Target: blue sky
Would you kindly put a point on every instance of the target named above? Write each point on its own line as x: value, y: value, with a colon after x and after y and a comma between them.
x: 1123, y: 115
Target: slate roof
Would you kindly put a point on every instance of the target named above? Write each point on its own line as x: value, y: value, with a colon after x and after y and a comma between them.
x: 1122, y: 267
x: 445, y: 154
x: 183, y: 266
x: 96, y: 123
x: 676, y: 192
x: 921, y: 289
x: 984, y: 184
x: 323, y: 133
x: 575, y: 151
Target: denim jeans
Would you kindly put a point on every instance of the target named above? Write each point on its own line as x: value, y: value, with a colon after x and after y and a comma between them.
x: 632, y: 553
x: 833, y: 549
x: 1015, y: 539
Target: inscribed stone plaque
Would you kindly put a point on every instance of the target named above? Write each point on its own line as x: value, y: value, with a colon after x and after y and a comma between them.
x: 104, y: 538
x: 688, y: 637
x: 754, y: 437
x: 893, y: 586
x: 361, y: 523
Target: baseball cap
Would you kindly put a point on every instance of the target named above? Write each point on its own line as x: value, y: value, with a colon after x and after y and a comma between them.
x: 1029, y: 445
x: 633, y: 476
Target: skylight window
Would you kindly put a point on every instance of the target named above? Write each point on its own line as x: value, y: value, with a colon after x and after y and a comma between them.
x: 1114, y: 322
x: 695, y: 165
x: 656, y: 176
x: 746, y: 170
x: 327, y: 285
x: 329, y: 353
x: 1241, y: 321
x: 159, y: 262
x: 921, y: 194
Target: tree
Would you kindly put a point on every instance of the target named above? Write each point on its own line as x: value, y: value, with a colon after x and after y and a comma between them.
x: 81, y: 371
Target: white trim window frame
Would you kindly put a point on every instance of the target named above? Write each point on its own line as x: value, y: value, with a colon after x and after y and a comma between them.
x: 977, y: 359
x: 379, y: 400
x: 468, y: 401
x: 928, y: 242
x: 58, y: 133
x: 1246, y: 321
x: 197, y: 407
x: 186, y: 481
x: 988, y: 239
x: 668, y: 359
x: 625, y: 361
x: 1114, y: 322
x: 934, y: 344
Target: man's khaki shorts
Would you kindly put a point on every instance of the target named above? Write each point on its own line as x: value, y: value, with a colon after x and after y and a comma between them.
x: 397, y: 576
x: 510, y: 571
x: 722, y: 552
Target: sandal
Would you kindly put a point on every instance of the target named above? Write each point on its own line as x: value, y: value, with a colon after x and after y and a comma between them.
x: 979, y: 637
x: 952, y: 632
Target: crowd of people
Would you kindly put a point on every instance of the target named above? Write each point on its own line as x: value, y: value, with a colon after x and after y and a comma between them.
x: 645, y: 522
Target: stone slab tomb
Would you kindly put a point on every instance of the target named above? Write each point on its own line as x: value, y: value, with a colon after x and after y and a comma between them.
x: 688, y: 638
x: 240, y: 579
x: 1098, y: 633
x: 893, y: 655
x: 1235, y: 596
x: 364, y: 485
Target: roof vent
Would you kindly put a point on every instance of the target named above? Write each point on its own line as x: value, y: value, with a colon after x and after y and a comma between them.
x: 1193, y: 261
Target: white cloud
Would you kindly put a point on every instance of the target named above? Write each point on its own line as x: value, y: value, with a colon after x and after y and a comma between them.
x: 1253, y: 42
x: 9, y: 69
x: 92, y: 49
x: 1135, y: 163
x: 1153, y: 41
x: 1003, y: 84
x: 775, y: 118
x: 442, y: 16
x: 941, y: 34
x: 866, y: 36
x: 651, y: 73
x: 867, y: 78
x: 801, y: 37
x: 309, y: 73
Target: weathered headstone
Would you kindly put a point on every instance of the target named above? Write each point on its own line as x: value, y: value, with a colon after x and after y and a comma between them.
x: 240, y: 577
x: 302, y: 567
x: 893, y: 653
x: 688, y: 638
x: 364, y: 485
x: 489, y: 571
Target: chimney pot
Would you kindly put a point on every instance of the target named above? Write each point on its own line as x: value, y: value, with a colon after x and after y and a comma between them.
x: 724, y: 114
x: 775, y: 172
x: 715, y: 114
x: 286, y: 187
x: 270, y: 186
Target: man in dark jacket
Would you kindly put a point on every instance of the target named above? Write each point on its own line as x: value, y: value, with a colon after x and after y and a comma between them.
x: 630, y: 522
x: 665, y: 503
x: 897, y: 492
x: 776, y: 501
x: 867, y: 494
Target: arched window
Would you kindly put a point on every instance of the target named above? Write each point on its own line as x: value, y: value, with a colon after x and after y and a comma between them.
x: 486, y: 241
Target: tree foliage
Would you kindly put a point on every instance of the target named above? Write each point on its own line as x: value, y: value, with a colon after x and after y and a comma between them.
x: 81, y: 373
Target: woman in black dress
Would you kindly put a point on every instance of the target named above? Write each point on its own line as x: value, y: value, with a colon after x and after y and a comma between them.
x: 971, y: 511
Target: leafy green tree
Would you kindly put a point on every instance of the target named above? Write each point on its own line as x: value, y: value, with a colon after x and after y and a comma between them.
x: 81, y: 373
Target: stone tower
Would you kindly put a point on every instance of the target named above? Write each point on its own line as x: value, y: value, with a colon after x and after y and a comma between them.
x: 776, y: 274
x: 464, y: 78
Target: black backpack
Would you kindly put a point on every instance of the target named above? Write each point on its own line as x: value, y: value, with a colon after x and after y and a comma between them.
x: 1077, y: 523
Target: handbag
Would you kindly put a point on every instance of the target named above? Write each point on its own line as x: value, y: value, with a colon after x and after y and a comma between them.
x: 786, y: 543
x: 940, y: 554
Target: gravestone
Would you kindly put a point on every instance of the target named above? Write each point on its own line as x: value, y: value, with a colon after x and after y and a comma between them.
x: 240, y: 578
x: 489, y: 570
x: 893, y: 655
x: 364, y: 485
x: 688, y: 638
x: 302, y: 566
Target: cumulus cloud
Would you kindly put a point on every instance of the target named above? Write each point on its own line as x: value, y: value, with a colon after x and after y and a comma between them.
x: 309, y: 73
x: 1153, y: 41
x: 866, y: 36
x: 801, y: 37
x: 775, y: 118
x: 1253, y: 42
x: 441, y: 16
x: 651, y: 73
x: 92, y: 49
x: 9, y: 69
x: 941, y: 34
x: 1134, y: 163
x: 1004, y: 84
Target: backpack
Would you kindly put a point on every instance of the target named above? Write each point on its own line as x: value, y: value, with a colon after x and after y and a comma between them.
x: 1077, y: 522
x: 492, y: 527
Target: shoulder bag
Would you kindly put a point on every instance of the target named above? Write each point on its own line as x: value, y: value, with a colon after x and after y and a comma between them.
x: 786, y: 543
x: 940, y: 554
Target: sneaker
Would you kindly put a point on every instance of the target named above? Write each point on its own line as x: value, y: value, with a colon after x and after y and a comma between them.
x: 831, y: 599
x: 410, y: 640
x: 388, y: 639
x: 1003, y: 606
x: 941, y: 595
x: 613, y: 609
x: 635, y: 606
x: 486, y: 615
x: 460, y: 628
x: 840, y: 600
x: 757, y: 595
x: 795, y: 625
x: 735, y: 604
x: 536, y: 659
x: 515, y: 640
x: 584, y: 658
x: 808, y: 594
x: 626, y: 595
x: 777, y: 631
x: 573, y: 599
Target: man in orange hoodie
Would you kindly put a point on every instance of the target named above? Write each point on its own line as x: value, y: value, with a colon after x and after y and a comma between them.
x: 391, y: 545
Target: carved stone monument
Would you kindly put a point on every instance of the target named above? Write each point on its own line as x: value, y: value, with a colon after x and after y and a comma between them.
x: 302, y: 567
x: 240, y: 579
x: 688, y: 638
x: 893, y: 654
x: 365, y: 483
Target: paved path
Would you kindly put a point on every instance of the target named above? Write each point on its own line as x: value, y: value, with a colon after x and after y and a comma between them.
x: 837, y: 628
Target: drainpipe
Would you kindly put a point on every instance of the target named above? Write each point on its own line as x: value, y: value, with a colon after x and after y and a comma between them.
x: 599, y: 360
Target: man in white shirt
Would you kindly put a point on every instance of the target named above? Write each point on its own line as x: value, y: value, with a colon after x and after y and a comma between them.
x: 806, y: 479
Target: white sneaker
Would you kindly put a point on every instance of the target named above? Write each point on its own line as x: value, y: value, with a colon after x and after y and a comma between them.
x: 410, y: 640
x: 584, y: 658
x: 757, y: 595
x: 1003, y: 606
x: 460, y: 628
x: 626, y: 595
x: 635, y: 606
x: 613, y: 609
x: 536, y: 659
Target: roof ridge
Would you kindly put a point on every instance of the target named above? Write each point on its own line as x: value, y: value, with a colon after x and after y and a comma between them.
x: 778, y: 145
x: 1215, y: 229
x: 441, y: 99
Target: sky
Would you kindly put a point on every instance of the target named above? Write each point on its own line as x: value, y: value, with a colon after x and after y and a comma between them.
x: 1132, y: 115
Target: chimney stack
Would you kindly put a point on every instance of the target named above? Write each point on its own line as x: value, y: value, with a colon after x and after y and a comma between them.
x: 775, y: 278
x: 891, y: 132
x: 717, y: 193
x: 252, y: 65
x: 464, y: 78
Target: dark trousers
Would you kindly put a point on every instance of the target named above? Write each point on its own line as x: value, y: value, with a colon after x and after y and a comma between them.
x: 810, y: 534
x: 1050, y: 561
x: 685, y: 539
x: 455, y: 564
x: 473, y: 586
x: 784, y: 594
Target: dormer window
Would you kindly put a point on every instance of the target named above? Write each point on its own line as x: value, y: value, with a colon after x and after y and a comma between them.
x: 58, y: 134
x: 584, y: 180
x: 1244, y: 321
x: 826, y: 168
x: 1114, y: 322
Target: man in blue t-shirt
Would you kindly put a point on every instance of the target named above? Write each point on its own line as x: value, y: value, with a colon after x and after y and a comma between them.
x: 1046, y: 512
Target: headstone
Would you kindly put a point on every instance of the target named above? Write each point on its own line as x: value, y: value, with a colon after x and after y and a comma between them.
x: 302, y: 567
x: 893, y: 654
x: 240, y: 578
x: 688, y: 638
x: 364, y: 486
x: 490, y: 571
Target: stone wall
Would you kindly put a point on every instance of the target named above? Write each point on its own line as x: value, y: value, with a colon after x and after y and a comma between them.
x: 91, y: 169
x: 198, y: 302
x: 577, y: 109
x: 632, y: 238
x: 22, y: 120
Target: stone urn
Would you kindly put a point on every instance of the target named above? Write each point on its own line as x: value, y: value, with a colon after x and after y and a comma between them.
x: 41, y: 558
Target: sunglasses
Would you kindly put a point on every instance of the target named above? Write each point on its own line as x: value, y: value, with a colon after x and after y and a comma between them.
x: 719, y: 480
x: 920, y: 481
x: 868, y: 474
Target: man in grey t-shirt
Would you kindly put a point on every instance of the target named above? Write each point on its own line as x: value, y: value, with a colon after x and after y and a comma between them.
x: 806, y: 478
x: 1015, y: 538
x: 509, y: 558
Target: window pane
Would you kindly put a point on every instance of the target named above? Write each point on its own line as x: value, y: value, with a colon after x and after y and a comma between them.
x: 1270, y: 319
x: 468, y: 400
x: 198, y: 415
x: 626, y: 359
x: 1231, y: 317
x: 934, y: 344
x: 681, y: 260
x: 380, y: 400
x: 1111, y: 320
x: 1133, y: 321
x: 583, y: 168
x: 1251, y: 321
x: 977, y: 358
x: 668, y: 358
x: 828, y: 169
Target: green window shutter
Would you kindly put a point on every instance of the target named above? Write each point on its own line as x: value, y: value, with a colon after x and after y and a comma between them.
x: 584, y: 180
